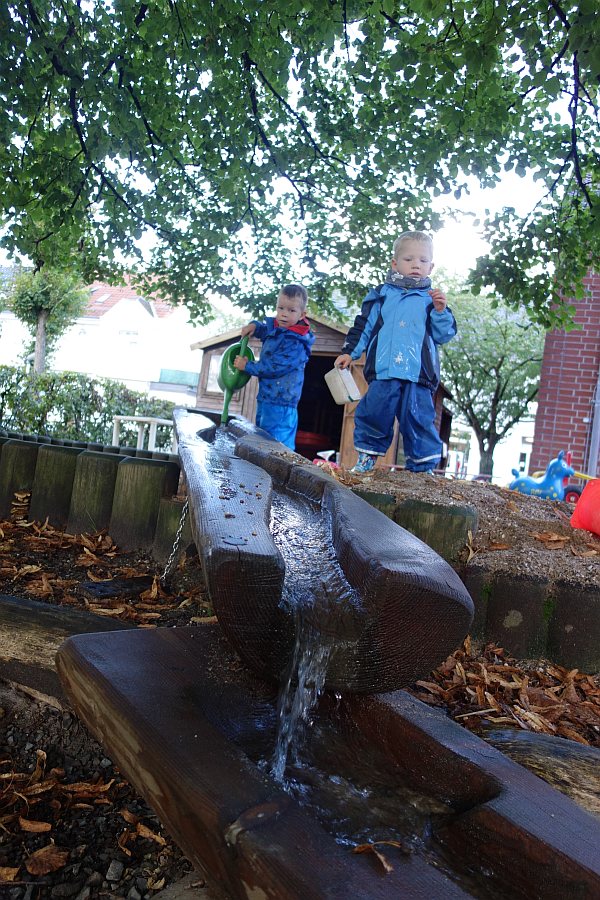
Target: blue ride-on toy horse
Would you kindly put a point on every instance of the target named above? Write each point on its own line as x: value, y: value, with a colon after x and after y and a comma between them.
x: 551, y: 486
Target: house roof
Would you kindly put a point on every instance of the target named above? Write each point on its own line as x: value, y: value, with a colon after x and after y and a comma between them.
x: 103, y: 297
x: 227, y: 336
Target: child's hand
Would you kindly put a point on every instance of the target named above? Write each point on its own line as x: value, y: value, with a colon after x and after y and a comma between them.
x: 343, y: 361
x: 439, y: 299
x: 240, y: 363
x: 248, y: 330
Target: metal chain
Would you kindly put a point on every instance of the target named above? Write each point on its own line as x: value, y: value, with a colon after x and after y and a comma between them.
x: 173, y: 555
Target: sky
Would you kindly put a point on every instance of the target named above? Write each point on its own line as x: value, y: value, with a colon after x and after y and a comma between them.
x: 459, y: 243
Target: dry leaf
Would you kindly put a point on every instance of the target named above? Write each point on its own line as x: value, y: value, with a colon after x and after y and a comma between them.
x: 96, y: 578
x: 130, y: 817
x: 87, y: 789
x: 471, y: 550
x: 48, y: 859
x: 372, y: 848
x: 40, y: 765
x: 102, y: 611
x: 27, y: 570
x: 551, y: 540
x: 8, y: 874
x: 35, y: 827
x: 145, y: 832
x: 123, y: 840
x: 571, y: 734
x: 496, y: 545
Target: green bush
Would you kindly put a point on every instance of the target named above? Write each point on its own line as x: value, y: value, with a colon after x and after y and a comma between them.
x: 73, y: 406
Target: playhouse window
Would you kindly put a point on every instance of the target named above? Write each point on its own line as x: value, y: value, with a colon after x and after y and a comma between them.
x: 214, y: 367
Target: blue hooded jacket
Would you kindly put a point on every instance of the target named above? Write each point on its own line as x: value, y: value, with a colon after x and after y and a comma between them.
x: 280, y: 370
x: 400, y: 329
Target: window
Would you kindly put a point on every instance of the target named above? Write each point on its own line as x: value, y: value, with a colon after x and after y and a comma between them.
x: 214, y: 367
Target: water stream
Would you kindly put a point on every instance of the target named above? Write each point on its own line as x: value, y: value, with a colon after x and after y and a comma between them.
x: 314, y: 588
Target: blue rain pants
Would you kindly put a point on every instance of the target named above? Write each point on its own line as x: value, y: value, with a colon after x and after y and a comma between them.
x: 280, y: 421
x: 412, y: 405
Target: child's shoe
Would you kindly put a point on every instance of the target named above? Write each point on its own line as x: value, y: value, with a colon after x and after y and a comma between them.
x: 365, y: 463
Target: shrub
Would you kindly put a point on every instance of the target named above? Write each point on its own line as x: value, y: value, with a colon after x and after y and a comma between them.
x: 74, y: 406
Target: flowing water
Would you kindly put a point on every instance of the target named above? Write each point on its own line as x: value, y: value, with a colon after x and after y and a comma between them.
x: 314, y: 588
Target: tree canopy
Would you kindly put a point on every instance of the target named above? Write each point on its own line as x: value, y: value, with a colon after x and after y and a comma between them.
x: 238, y: 131
x: 492, y: 369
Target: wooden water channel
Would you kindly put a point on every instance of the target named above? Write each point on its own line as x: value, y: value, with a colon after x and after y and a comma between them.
x: 187, y: 722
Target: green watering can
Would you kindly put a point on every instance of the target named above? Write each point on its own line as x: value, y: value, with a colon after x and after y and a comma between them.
x: 229, y: 379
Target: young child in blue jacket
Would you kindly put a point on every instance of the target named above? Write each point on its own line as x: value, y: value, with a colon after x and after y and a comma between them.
x: 287, y: 341
x: 399, y: 327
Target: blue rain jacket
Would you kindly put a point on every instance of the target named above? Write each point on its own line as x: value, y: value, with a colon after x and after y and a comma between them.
x: 399, y: 329
x: 280, y: 369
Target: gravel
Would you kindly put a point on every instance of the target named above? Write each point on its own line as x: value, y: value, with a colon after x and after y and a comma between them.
x: 114, y: 844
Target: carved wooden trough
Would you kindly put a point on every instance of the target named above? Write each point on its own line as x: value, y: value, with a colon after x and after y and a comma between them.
x: 183, y: 718
x: 403, y: 608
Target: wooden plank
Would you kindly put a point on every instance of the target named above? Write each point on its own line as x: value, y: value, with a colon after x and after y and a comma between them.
x: 158, y: 701
x: 413, y: 610
x: 230, y: 502
x: 511, y: 824
x: 30, y: 635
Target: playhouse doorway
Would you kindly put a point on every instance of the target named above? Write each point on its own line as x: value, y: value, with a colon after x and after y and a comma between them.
x: 320, y: 418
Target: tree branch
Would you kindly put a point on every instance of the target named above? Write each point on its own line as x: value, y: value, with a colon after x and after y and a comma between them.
x: 573, y: 104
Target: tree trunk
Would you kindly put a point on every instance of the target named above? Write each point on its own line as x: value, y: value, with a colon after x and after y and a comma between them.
x: 486, y: 462
x: 39, y: 361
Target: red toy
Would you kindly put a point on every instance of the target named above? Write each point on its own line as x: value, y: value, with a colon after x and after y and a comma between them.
x: 587, y: 511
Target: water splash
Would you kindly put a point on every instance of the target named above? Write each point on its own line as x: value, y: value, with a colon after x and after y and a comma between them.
x: 300, y: 693
x: 315, y: 592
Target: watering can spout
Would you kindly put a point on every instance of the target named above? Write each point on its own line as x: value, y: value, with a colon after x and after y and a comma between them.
x: 230, y: 379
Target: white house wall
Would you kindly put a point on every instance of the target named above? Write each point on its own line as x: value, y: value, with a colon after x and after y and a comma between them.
x: 126, y: 343
x: 13, y: 339
x: 506, y: 454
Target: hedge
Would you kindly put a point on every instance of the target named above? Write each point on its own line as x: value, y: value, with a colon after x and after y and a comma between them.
x: 73, y: 406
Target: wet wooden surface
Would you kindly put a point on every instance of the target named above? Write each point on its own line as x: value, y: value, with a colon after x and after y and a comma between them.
x: 511, y: 824
x: 146, y: 696
x: 409, y: 608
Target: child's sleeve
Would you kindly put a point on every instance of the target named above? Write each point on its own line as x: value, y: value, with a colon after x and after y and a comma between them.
x: 261, y: 330
x: 443, y: 325
x: 358, y: 336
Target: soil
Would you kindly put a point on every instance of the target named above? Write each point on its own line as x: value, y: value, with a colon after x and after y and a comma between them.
x: 72, y: 825
x: 515, y: 533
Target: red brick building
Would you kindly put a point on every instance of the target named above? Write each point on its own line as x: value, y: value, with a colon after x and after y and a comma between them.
x: 568, y: 416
